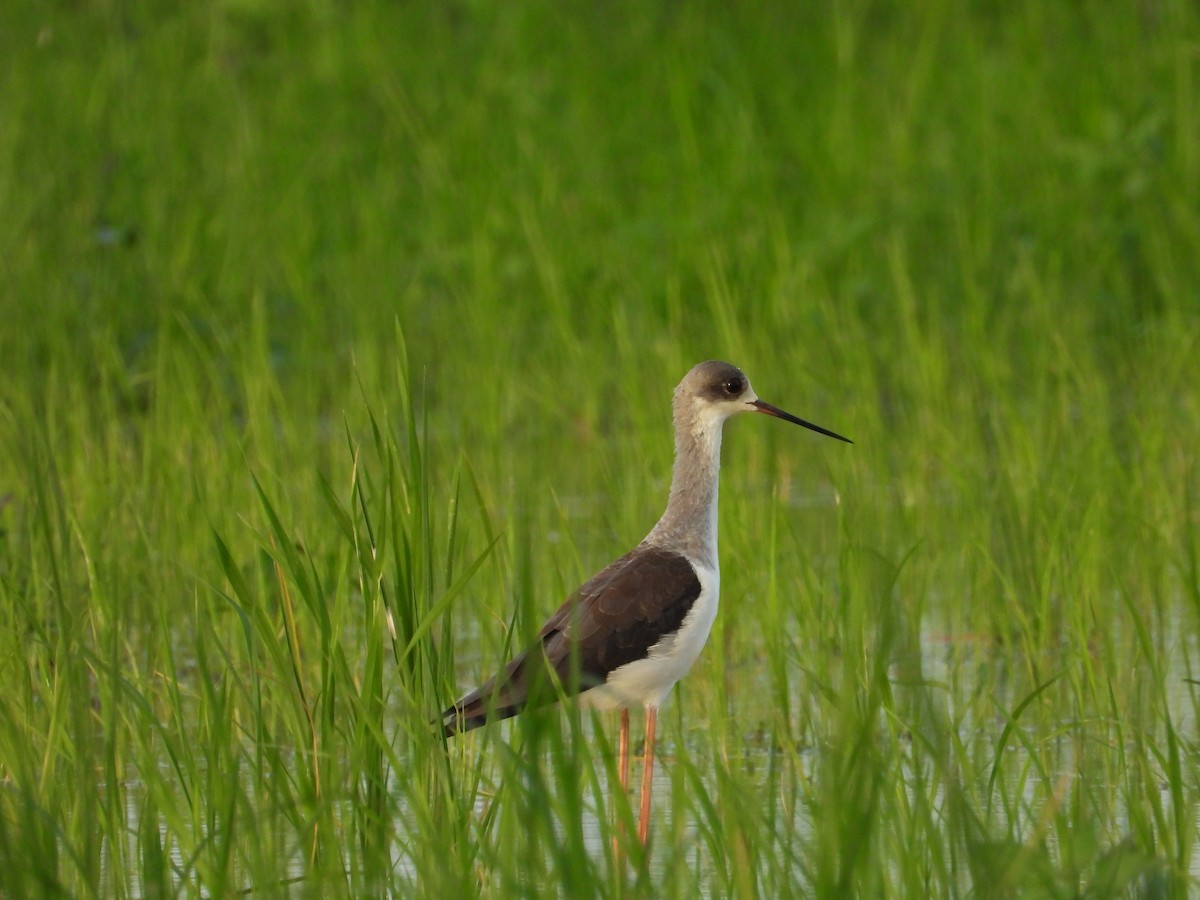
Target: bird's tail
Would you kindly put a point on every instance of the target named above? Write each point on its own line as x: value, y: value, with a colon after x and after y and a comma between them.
x: 473, y: 711
x: 520, y: 685
x: 498, y: 698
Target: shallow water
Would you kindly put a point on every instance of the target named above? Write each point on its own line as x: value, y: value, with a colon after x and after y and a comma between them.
x: 946, y: 661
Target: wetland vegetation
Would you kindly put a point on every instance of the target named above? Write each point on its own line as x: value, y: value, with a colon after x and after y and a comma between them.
x: 338, y: 341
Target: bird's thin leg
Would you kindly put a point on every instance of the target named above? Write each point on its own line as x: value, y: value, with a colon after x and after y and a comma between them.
x: 647, y: 775
x: 623, y: 751
x: 623, y: 777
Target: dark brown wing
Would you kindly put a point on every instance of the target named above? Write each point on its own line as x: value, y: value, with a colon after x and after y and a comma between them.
x: 614, y: 619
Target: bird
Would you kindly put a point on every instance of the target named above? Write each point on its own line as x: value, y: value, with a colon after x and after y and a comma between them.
x: 632, y: 631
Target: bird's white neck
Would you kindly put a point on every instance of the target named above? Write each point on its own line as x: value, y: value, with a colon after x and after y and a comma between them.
x: 689, y: 524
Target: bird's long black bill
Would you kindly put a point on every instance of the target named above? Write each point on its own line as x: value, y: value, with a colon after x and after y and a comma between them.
x: 764, y: 407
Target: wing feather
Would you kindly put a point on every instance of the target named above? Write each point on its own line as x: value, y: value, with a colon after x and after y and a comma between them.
x: 613, y: 619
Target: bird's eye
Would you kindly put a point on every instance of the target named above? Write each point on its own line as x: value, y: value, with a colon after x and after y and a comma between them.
x: 734, y: 386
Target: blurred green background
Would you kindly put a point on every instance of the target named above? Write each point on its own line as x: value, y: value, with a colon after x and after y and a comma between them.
x: 428, y: 272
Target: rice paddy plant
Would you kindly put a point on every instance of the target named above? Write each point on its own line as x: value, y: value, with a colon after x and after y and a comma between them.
x: 338, y: 343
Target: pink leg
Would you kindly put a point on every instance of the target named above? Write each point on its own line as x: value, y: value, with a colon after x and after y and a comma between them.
x: 647, y: 775
x: 623, y: 777
x: 623, y: 751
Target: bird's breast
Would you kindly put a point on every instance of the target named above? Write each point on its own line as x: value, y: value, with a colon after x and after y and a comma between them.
x: 647, y: 681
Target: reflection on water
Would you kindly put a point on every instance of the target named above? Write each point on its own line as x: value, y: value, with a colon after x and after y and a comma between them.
x: 946, y: 714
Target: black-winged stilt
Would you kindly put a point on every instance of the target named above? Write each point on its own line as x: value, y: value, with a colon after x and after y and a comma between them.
x: 632, y: 631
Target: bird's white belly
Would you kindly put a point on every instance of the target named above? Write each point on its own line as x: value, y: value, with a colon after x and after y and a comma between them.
x: 646, y: 682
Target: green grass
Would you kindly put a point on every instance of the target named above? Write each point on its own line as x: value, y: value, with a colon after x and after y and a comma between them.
x: 338, y: 342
